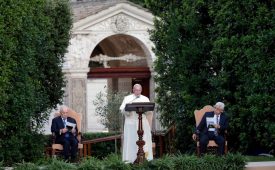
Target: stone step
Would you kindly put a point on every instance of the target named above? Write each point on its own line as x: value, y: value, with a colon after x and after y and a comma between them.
x: 268, y: 165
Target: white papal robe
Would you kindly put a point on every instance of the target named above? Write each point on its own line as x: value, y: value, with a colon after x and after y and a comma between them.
x: 130, y: 148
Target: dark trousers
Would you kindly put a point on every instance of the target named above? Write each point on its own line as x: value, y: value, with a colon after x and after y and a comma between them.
x: 219, y: 140
x: 70, y: 146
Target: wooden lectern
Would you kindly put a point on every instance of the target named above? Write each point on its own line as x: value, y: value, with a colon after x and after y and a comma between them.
x: 140, y: 108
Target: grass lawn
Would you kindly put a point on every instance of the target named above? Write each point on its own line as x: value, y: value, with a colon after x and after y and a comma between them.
x: 259, y: 158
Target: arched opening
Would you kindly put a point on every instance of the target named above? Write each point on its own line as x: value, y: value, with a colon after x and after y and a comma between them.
x: 120, y: 57
x: 116, y: 64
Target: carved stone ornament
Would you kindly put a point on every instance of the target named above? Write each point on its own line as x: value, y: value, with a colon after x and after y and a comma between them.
x: 78, y: 52
x: 104, y: 59
x: 120, y: 23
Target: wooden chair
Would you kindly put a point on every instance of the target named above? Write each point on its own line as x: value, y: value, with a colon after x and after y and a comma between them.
x: 58, y: 148
x: 212, y: 146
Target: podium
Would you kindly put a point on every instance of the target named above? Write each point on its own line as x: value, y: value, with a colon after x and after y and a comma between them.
x: 140, y: 108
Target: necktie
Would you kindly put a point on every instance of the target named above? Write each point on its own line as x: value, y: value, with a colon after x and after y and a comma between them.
x: 64, y: 122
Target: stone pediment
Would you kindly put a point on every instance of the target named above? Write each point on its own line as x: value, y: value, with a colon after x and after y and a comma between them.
x: 119, y: 18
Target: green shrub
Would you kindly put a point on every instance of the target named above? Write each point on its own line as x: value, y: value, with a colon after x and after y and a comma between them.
x: 1, y: 165
x: 57, y: 164
x: 102, y: 149
x: 166, y: 162
x: 209, y: 51
x: 91, y: 163
x: 188, y: 162
x: 192, y: 162
x: 26, y: 166
x: 114, y: 162
x: 107, y: 107
x: 34, y: 38
x: 169, y: 162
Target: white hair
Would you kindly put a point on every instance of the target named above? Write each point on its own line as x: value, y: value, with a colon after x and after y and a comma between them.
x: 62, y: 108
x: 219, y: 105
x: 137, y: 86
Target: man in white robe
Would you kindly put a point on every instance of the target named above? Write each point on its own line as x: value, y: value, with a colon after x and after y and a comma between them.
x: 130, y: 148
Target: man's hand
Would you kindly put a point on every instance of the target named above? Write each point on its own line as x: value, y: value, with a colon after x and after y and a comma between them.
x: 64, y: 130
x: 194, y: 136
x: 217, y: 126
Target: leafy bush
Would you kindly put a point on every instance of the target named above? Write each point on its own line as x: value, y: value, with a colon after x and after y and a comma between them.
x: 107, y: 107
x: 176, y: 162
x: 34, y: 37
x: 102, y: 149
x: 209, y: 51
x: 26, y: 166
x: 60, y: 165
x: 91, y: 163
x: 181, y: 162
x: 114, y: 162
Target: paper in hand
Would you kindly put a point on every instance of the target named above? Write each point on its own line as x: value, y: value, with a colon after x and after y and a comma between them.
x: 210, y: 121
x: 70, y: 126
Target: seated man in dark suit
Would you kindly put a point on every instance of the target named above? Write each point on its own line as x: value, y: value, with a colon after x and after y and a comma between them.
x: 212, y: 127
x: 65, y: 130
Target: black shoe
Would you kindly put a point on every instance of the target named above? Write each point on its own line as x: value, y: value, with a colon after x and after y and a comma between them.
x: 73, y: 159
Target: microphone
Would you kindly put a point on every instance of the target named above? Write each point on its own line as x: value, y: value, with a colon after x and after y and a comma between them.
x: 135, y: 98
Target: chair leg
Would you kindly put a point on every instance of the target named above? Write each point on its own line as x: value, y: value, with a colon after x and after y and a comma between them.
x: 225, y: 149
x: 80, y: 151
x: 53, y: 153
x: 198, y: 151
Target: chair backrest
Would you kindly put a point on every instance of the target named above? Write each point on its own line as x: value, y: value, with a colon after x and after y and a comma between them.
x: 75, y: 115
x: 199, y: 113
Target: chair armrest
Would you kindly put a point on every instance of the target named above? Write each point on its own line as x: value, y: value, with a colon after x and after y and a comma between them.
x: 197, y: 132
x: 79, y: 137
x: 225, y: 135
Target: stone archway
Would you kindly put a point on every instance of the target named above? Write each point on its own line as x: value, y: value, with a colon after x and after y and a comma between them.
x: 116, y: 63
x: 120, y: 19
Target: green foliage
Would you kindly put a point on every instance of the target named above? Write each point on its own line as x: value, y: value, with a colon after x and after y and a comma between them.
x: 1, y: 166
x: 181, y: 162
x: 102, y: 149
x: 216, y: 51
x: 60, y: 165
x: 259, y: 158
x: 91, y: 163
x: 114, y: 162
x: 34, y: 36
x: 107, y: 107
x: 26, y: 166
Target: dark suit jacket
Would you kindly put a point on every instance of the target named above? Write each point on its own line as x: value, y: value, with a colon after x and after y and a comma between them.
x: 57, y: 124
x: 203, y: 129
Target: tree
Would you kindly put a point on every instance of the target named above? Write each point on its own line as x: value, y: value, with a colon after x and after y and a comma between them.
x: 210, y: 51
x: 107, y: 107
x: 34, y: 37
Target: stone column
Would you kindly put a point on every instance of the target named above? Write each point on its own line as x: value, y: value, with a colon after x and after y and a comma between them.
x: 75, y: 93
